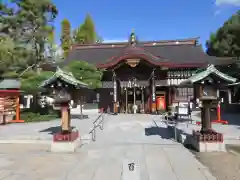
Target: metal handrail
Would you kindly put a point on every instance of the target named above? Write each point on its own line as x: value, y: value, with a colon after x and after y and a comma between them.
x: 96, y: 124
x: 168, y: 122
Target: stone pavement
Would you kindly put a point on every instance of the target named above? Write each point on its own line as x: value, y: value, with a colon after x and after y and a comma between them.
x: 42, y: 130
x: 231, y: 132
x: 124, y: 138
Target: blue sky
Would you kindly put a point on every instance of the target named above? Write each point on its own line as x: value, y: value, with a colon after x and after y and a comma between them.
x: 151, y: 19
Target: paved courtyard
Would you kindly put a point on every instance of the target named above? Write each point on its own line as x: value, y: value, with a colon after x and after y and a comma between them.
x: 125, y: 138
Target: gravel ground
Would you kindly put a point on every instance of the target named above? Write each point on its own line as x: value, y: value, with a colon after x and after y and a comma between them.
x: 224, y: 166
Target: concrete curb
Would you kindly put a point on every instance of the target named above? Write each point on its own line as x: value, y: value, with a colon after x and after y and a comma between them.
x: 35, y: 141
x: 10, y: 141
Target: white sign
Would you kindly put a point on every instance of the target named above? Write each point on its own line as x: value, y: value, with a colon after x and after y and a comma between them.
x: 183, y: 110
x: 130, y: 170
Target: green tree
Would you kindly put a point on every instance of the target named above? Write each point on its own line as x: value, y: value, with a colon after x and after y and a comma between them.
x: 30, y: 80
x: 66, y: 40
x: 26, y: 32
x: 86, y: 33
x: 86, y: 73
x: 28, y: 24
x: 226, y: 43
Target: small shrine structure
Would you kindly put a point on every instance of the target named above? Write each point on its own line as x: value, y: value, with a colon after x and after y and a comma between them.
x: 207, y: 84
x: 62, y: 86
x: 9, y: 101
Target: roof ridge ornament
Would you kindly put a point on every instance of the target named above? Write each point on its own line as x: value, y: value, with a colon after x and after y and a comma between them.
x: 133, y: 39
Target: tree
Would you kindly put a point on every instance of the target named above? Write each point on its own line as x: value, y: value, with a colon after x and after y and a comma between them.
x: 28, y: 24
x: 30, y: 80
x: 86, y: 73
x: 226, y: 43
x: 26, y: 33
x: 66, y: 37
x: 86, y: 32
x: 38, y: 24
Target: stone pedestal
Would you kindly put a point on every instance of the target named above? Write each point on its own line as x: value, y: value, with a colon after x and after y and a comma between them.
x: 208, y: 142
x: 66, y: 142
x: 65, y: 146
x: 210, y: 146
x: 202, y: 146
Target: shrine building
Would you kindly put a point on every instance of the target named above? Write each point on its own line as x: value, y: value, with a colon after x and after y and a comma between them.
x: 144, y: 74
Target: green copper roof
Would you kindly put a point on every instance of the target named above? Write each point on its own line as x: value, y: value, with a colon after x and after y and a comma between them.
x: 208, y: 71
x: 64, y: 76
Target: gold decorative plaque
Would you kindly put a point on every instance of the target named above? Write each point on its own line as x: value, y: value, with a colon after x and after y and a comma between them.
x: 133, y: 62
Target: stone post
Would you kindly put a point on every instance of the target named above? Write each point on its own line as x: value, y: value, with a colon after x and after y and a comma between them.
x: 207, y: 102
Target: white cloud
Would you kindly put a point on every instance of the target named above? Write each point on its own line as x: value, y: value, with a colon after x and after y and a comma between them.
x: 114, y: 40
x: 228, y: 2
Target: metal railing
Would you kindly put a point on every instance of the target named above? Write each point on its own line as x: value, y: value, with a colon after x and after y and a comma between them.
x: 164, y: 117
x: 99, y: 122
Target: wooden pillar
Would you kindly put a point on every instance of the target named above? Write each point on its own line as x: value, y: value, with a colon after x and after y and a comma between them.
x: 65, y: 118
x: 153, y: 108
x: 115, y: 108
x: 143, y: 104
x: 17, y: 120
x: 17, y: 109
x: 169, y: 96
x: 126, y: 111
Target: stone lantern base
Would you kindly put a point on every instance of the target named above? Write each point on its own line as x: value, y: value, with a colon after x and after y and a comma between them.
x: 212, y: 142
x: 208, y: 142
x: 66, y: 142
x: 62, y: 137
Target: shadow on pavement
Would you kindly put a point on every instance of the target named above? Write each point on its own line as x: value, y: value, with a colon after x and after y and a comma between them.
x: 78, y: 116
x: 53, y: 130
x: 164, y: 133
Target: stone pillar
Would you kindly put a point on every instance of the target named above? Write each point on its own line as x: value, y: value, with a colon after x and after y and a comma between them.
x: 206, y: 114
x: 153, y: 93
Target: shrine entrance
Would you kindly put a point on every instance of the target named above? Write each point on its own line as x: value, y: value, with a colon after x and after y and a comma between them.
x: 134, y: 96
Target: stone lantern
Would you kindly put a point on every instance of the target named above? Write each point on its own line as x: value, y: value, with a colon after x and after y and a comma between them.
x: 62, y: 84
x: 207, y: 84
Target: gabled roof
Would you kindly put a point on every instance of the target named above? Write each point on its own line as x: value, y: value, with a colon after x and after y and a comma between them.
x: 207, y: 72
x: 64, y: 76
x: 174, y: 53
